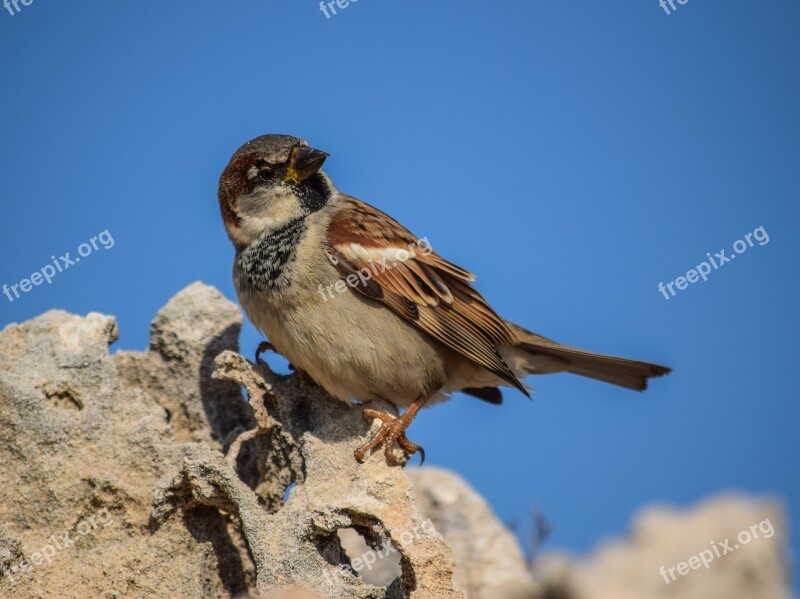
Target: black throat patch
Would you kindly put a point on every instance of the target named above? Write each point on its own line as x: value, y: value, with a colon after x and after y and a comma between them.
x: 265, y: 264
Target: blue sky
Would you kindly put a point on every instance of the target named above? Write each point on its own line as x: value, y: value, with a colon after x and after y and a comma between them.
x: 572, y: 154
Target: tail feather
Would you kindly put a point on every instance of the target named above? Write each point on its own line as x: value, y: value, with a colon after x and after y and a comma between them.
x: 538, y: 350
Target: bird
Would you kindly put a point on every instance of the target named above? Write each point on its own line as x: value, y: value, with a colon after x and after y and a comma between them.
x: 367, y: 310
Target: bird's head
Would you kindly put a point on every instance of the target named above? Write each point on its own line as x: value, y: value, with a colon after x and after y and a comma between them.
x: 270, y: 181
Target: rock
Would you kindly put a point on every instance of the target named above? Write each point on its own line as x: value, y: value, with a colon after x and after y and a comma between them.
x: 149, y: 474
x: 82, y: 446
x: 187, y: 334
x: 703, y: 539
x: 489, y: 561
x: 114, y: 483
x: 295, y: 547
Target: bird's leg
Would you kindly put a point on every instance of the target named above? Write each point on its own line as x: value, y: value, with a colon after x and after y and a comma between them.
x: 392, y: 430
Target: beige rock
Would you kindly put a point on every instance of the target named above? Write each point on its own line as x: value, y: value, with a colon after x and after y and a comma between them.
x: 82, y: 448
x: 114, y: 483
x: 489, y: 561
x: 148, y: 474
x: 631, y: 568
x: 296, y: 548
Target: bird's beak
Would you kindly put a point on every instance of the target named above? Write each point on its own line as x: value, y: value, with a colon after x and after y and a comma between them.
x: 304, y: 163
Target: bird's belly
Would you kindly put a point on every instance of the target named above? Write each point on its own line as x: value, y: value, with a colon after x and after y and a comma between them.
x: 354, y: 348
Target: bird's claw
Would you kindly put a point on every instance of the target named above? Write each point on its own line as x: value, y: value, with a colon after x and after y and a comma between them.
x: 262, y: 347
x: 391, y: 432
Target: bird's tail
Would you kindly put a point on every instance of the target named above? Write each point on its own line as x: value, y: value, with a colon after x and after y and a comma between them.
x: 534, y: 354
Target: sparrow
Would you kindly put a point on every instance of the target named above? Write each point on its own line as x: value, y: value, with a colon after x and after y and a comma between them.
x: 366, y: 309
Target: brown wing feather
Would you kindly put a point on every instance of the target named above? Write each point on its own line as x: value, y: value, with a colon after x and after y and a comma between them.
x: 425, y: 289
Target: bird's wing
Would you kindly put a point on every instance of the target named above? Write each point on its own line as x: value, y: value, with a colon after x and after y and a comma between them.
x: 393, y: 266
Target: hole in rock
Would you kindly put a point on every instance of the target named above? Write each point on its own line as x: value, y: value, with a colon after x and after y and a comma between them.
x: 378, y: 566
x: 287, y: 491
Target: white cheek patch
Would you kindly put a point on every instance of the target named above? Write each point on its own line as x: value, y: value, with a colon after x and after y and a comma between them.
x: 266, y: 212
x: 252, y: 172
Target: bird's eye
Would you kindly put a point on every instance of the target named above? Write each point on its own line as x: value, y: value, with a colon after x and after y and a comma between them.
x: 265, y: 174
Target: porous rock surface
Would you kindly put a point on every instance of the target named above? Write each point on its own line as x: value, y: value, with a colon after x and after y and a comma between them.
x: 488, y: 560
x: 148, y: 474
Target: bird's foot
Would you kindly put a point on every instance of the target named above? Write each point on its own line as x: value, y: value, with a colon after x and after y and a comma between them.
x: 391, y: 432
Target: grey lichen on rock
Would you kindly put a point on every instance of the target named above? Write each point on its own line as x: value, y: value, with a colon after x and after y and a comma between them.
x: 169, y: 484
